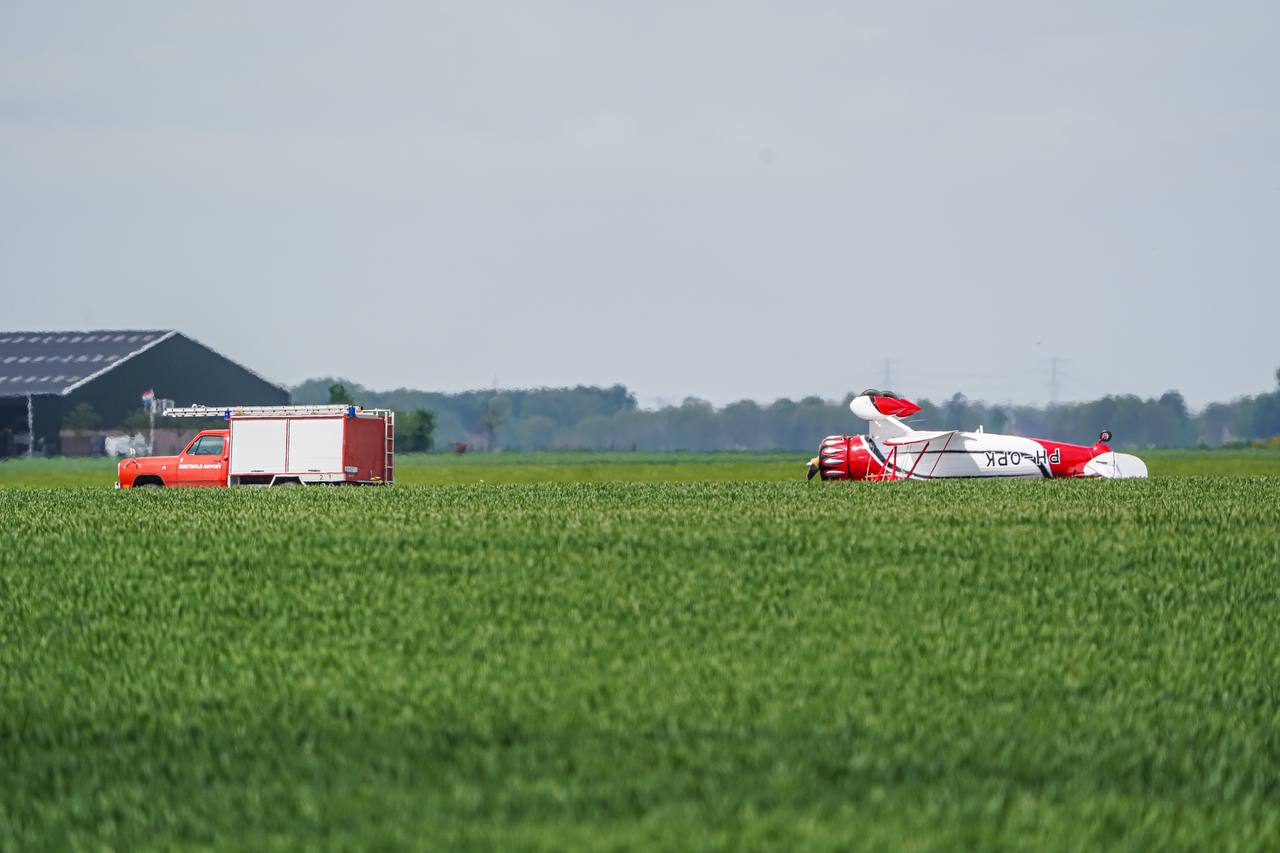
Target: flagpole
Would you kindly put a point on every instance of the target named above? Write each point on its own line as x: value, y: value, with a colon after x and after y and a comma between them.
x: 149, y: 400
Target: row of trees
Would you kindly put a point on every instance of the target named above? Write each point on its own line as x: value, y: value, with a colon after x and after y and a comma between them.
x: 608, y: 418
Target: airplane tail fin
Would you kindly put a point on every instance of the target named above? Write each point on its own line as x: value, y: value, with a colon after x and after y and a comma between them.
x: 883, y: 410
x: 1116, y: 466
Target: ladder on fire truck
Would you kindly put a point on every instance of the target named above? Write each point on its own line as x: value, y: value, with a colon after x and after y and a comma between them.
x: 389, y: 467
x: 301, y: 411
x: 298, y: 411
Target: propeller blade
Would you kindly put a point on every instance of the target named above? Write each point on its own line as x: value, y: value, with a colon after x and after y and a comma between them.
x: 813, y: 468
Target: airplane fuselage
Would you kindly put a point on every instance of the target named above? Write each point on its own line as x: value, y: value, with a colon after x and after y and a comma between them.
x: 892, y: 450
x: 959, y: 454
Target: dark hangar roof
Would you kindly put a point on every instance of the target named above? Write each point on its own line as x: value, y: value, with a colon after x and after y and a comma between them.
x: 54, y: 362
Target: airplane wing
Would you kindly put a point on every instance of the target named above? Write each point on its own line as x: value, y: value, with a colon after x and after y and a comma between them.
x: 918, y: 437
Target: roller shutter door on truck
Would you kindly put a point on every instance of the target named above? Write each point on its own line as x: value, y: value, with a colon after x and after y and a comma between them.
x: 315, y: 446
x: 257, y: 446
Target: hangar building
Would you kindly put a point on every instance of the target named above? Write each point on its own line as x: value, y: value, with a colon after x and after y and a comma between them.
x: 44, y: 375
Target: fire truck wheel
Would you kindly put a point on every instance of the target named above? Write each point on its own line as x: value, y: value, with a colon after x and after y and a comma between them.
x: 283, y: 483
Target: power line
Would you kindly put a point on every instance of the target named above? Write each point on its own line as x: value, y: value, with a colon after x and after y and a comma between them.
x: 1056, y: 375
x: 886, y: 373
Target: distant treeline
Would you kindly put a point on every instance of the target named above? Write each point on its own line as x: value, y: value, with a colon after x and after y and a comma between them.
x: 608, y: 418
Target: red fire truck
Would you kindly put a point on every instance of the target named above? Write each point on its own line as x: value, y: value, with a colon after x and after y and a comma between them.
x: 274, y: 446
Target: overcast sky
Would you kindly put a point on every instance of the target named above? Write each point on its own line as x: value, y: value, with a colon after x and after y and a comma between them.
x: 726, y: 200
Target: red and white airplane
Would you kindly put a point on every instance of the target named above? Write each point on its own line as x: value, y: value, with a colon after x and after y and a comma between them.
x: 892, y: 450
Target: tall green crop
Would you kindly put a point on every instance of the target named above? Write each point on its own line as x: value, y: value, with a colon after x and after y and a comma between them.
x: 978, y: 664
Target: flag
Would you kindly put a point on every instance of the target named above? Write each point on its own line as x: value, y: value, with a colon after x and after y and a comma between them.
x: 148, y: 397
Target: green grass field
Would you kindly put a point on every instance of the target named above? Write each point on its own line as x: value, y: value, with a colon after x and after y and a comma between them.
x: 681, y: 665
x: 589, y: 467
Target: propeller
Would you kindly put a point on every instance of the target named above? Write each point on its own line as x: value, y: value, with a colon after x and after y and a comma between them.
x: 813, y: 468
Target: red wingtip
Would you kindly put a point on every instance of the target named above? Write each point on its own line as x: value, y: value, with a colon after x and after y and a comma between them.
x: 896, y: 406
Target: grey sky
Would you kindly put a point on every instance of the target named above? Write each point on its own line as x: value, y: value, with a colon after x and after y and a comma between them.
x: 721, y: 199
